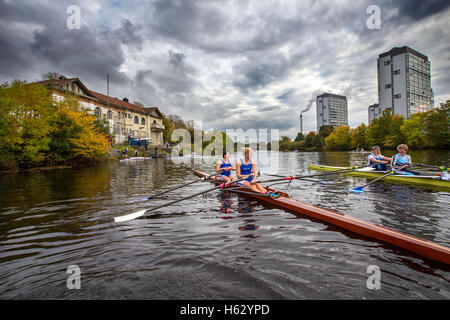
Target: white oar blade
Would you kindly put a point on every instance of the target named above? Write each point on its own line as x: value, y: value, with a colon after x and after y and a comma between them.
x: 130, y: 216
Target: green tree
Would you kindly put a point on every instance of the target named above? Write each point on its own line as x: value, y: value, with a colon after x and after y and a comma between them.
x: 379, y: 129
x: 385, y: 130
x: 309, y: 139
x: 35, y: 130
x: 339, y: 139
x: 395, y: 136
x: 437, y: 126
x: 359, y: 137
x: 285, y: 143
x: 168, y: 129
x: 31, y: 106
x: 413, y: 131
x: 300, y: 137
x: 325, y: 131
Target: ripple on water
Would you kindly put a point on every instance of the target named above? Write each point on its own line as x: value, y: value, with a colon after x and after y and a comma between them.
x: 214, y: 246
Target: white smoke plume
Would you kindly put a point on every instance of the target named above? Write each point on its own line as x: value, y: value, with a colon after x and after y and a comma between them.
x: 311, y: 100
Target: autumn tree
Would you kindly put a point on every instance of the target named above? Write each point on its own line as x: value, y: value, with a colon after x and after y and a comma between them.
x: 35, y: 130
x: 339, y: 139
x: 358, y: 137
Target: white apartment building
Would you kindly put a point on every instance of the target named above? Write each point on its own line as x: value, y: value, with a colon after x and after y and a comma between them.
x: 331, y: 110
x: 124, y: 118
x: 374, y: 112
x: 404, y: 82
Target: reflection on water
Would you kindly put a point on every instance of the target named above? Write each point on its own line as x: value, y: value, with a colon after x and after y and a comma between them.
x: 216, y: 246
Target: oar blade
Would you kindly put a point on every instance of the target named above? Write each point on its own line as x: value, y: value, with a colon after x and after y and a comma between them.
x: 130, y: 216
x: 357, y: 190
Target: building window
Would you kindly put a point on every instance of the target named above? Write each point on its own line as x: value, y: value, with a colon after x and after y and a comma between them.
x: 388, y: 62
x: 387, y: 86
x: 98, y: 112
x: 397, y: 71
x: 136, y: 119
x: 129, y: 116
x: 143, y: 121
x: 110, y: 114
x: 397, y: 96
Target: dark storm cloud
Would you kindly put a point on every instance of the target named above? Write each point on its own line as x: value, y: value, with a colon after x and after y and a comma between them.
x: 256, y: 73
x: 89, y: 53
x: 228, y: 63
x: 186, y: 20
x: 128, y: 34
x: 418, y: 9
x: 206, y: 25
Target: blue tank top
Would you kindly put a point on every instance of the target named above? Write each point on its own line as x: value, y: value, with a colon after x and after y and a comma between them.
x: 246, y: 169
x: 378, y: 157
x: 225, y: 165
x: 402, y: 160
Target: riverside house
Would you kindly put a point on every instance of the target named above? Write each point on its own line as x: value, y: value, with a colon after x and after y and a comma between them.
x: 124, y: 118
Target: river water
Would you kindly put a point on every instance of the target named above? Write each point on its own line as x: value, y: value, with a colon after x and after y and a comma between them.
x: 214, y: 246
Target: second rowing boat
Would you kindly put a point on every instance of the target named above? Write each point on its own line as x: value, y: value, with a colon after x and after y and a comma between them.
x: 428, y: 182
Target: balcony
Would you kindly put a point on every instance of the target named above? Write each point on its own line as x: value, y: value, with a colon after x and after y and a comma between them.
x: 157, y: 127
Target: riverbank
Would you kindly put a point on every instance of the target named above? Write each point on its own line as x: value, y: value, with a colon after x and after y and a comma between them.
x: 115, y: 153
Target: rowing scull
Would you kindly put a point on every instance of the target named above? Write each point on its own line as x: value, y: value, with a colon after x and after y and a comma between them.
x: 419, y: 246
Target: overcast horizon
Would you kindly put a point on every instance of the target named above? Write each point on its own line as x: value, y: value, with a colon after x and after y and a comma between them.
x: 233, y: 64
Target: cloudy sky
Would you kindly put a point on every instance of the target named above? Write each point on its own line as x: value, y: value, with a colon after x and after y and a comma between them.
x: 232, y: 64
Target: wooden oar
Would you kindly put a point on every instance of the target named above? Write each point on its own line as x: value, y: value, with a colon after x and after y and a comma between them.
x: 361, y: 188
x: 138, y: 214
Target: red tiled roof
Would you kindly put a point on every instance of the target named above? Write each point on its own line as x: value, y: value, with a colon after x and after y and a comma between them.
x: 101, y: 97
x: 55, y: 81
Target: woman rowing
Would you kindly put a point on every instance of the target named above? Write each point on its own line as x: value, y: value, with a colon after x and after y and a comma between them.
x: 377, y: 160
x: 246, y: 167
x: 401, y: 161
x: 224, y: 167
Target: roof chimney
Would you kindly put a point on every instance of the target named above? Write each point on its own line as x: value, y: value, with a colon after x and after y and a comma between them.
x: 125, y: 99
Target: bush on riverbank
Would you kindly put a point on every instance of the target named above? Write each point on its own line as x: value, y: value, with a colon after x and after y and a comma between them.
x: 36, y: 131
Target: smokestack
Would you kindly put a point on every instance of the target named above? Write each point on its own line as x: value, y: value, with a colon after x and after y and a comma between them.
x: 301, y: 124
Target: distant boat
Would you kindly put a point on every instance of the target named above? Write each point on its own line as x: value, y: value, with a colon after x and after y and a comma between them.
x: 134, y: 158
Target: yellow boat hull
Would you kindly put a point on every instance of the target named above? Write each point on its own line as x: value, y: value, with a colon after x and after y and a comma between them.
x: 413, y: 181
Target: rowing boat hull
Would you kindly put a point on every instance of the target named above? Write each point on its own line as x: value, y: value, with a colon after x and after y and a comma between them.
x: 415, y: 181
x: 419, y: 246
